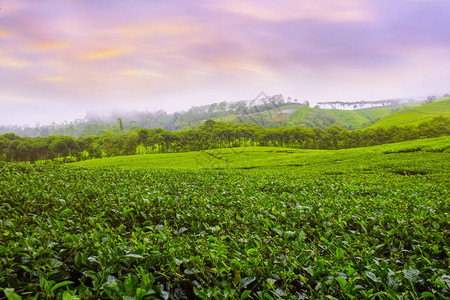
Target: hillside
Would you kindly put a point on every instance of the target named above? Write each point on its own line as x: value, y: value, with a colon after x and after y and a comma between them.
x: 269, y: 112
x: 416, y: 115
x: 264, y: 157
x: 294, y: 115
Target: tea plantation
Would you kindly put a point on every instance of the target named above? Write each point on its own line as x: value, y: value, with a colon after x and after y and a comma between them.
x: 260, y: 223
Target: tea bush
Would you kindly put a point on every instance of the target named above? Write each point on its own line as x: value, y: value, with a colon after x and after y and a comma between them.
x: 376, y: 229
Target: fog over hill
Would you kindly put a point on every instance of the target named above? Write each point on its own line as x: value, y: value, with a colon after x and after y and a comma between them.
x: 266, y: 111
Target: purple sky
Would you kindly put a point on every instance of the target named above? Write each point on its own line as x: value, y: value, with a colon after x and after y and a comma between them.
x: 60, y: 59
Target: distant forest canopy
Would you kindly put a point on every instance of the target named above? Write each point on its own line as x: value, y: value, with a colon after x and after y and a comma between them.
x: 209, y: 135
x: 265, y: 111
x: 94, y: 125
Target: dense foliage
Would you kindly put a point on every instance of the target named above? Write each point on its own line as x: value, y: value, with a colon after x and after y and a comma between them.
x: 267, y: 112
x: 356, y: 226
x: 95, y: 125
x: 210, y: 135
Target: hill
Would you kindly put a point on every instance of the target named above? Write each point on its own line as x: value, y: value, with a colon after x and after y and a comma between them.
x: 416, y: 115
x: 268, y: 112
x: 268, y: 157
x: 294, y: 115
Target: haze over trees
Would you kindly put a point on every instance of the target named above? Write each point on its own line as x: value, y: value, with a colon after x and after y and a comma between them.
x: 267, y: 112
x: 93, y: 125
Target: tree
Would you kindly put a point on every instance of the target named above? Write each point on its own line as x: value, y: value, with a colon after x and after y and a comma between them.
x: 12, y: 136
x: 11, y: 152
x: 91, y: 145
x: 4, y: 143
x: 130, y: 143
x: 121, y: 128
x: 63, y: 146
x: 436, y: 127
x: 143, y: 135
x: 24, y: 151
x: 430, y: 99
x: 334, y: 133
x: 112, y: 144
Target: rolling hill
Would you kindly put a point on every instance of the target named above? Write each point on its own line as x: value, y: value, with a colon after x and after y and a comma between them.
x: 308, y: 117
x: 416, y: 115
x: 274, y: 112
x: 269, y: 157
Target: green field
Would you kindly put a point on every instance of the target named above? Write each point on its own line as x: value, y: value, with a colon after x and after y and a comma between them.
x: 309, y: 117
x: 262, y: 157
x: 416, y: 115
x: 244, y: 223
x: 353, y: 119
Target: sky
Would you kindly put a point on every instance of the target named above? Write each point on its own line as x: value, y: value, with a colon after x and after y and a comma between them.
x: 61, y: 59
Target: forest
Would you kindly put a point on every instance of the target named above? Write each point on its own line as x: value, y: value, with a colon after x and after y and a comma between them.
x: 210, y: 135
x: 93, y: 124
x: 267, y: 112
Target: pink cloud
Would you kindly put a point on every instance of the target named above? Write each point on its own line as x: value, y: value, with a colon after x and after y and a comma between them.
x: 99, y: 52
x: 327, y: 11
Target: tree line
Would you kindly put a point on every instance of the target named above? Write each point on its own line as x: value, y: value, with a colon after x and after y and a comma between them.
x: 95, y: 125
x: 209, y: 135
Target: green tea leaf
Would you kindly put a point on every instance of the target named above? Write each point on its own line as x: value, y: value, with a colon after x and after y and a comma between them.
x: 61, y: 284
x: 11, y: 295
x: 245, y: 294
x: 131, y: 283
x: 372, y: 276
x: 246, y: 281
x: 342, y: 282
x: 427, y: 295
x: 412, y: 274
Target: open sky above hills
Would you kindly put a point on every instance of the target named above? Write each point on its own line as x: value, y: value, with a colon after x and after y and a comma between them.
x: 61, y: 59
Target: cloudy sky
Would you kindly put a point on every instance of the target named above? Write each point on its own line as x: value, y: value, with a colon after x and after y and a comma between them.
x: 60, y: 59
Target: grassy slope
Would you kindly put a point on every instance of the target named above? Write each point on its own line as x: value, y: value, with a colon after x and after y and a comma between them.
x: 416, y: 115
x: 344, y: 118
x: 304, y: 116
x: 227, y: 119
x: 266, y: 157
x: 361, y: 117
x: 272, y: 117
x: 315, y: 117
